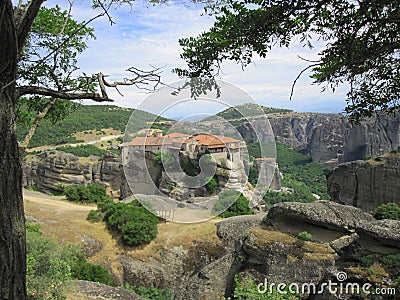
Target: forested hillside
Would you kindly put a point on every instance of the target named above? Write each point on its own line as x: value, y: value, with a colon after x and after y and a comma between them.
x: 85, y: 118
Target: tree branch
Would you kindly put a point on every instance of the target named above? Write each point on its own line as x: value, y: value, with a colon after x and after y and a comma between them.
x: 24, y: 18
x: 35, y: 124
x: 298, y: 77
x: 34, y: 90
x: 141, y: 80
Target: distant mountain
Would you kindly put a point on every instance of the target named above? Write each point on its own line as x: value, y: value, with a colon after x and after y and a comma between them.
x: 86, y: 118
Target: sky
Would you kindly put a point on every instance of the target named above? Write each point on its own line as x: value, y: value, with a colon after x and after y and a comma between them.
x: 146, y: 35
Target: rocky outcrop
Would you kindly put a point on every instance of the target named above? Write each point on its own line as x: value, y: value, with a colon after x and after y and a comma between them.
x: 384, y: 235
x: 52, y: 171
x: 366, y: 184
x: 325, y: 220
x: 282, y: 258
x: 96, y: 290
x: 262, y: 252
x: 231, y: 229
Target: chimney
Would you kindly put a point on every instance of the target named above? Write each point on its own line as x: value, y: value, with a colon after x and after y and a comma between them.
x: 149, y: 132
x: 159, y: 133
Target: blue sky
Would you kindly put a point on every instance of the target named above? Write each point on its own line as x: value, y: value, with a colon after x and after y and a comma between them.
x: 146, y: 35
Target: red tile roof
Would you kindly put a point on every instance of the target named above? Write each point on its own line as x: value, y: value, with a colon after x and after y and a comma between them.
x: 209, y: 140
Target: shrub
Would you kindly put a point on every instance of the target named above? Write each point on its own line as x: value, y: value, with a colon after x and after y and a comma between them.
x: 50, y: 266
x: 305, y: 235
x: 387, y: 211
x: 94, y: 215
x: 92, y: 193
x: 47, y: 270
x: 211, y: 185
x: 82, y: 270
x: 247, y: 289
x: 151, y: 293
x: 226, y: 205
x: 133, y: 222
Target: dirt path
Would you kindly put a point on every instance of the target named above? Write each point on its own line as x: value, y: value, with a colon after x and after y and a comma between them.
x: 100, y: 140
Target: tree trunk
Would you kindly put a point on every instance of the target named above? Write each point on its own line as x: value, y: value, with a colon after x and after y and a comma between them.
x: 12, y: 221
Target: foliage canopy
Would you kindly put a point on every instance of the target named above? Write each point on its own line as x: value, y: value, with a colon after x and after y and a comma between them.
x: 361, y: 44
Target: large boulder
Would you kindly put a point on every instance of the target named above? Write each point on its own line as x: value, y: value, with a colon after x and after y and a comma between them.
x: 325, y: 220
x: 381, y: 236
x: 231, y: 229
x: 280, y: 257
x: 366, y: 184
x: 52, y: 171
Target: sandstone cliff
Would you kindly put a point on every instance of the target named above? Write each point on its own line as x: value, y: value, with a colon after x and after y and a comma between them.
x: 366, y: 184
x: 52, y: 171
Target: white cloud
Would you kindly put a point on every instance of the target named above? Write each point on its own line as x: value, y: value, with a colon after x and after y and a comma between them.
x: 144, y: 36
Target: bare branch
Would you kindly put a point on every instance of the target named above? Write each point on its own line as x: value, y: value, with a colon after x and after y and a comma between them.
x: 298, y: 77
x: 34, y: 90
x: 308, y: 60
x: 141, y: 80
x: 105, y: 10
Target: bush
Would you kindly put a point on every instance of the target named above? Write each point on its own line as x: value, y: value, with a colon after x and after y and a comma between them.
x: 151, y: 293
x: 83, y: 270
x: 305, y: 235
x: 92, y: 193
x: 50, y: 266
x: 387, y: 211
x: 83, y: 150
x: 46, y: 269
x: 226, y: 206
x: 247, y: 289
x: 133, y: 222
x: 211, y: 185
x: 94, y: 215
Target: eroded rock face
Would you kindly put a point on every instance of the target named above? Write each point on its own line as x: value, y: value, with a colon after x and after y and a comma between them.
x: 329, y: 137
x: 52, y: 171
x: 283, y: 258
x: 366, y: 184
x: 325, y: 220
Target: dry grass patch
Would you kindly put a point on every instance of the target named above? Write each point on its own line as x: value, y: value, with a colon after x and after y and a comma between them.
x: 172, y: 235
x: 314, y: 247
x: 267, y: 237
